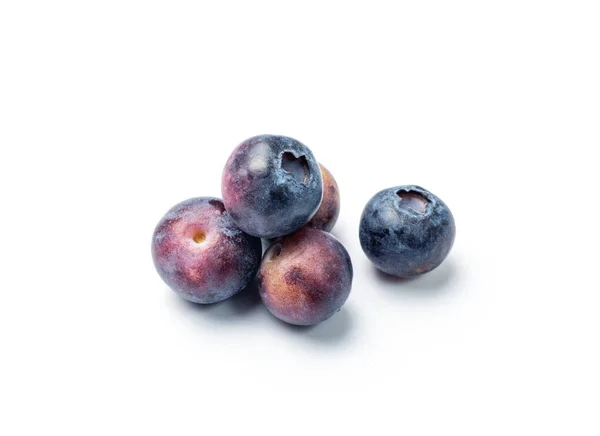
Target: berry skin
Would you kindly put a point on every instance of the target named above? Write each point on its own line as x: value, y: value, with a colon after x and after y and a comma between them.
x: 329, y: 210
x: 305, y: 277
x: 271, y: 185
x: 406, y: 231
x: 201, y: 254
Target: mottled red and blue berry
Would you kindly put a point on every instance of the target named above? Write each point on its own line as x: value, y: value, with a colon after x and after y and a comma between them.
x: 201, y: 254
x: 305, y: 277
x: 329, y: 210
x: 271, y: 185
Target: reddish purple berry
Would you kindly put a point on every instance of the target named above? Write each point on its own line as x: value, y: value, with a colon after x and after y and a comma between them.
x: 201, y: 254
x: 305, y: 277
x: 329, y: 210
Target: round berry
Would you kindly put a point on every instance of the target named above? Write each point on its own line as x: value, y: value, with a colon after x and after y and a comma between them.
x: 305, y: 277
x: 201, y: 254
x: 406, y: 231
x: 271, y: 185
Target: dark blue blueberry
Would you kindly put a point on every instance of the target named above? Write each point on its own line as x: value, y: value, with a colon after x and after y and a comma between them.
x: 271, y: 185
x: 406, y: 231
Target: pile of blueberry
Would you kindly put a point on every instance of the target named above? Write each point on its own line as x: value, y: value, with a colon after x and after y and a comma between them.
x: 207, y: 249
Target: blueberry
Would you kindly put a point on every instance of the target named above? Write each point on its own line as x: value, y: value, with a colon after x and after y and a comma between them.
x: 201, y: 254
x: 329, y: 210
x: 271, y: 185
x: 305, y: 277
x: 406, y: 231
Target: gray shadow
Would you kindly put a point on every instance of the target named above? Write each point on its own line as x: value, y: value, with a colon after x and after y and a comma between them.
x: 332, y: 331
x: 338, y: 235
x: 241, y: 304
x: 266, y: 243
x: 339, y: 231
x: 247, y: 303
x: 434, y: 283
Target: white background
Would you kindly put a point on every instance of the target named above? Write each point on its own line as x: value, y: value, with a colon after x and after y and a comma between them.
x: 111, y: 112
